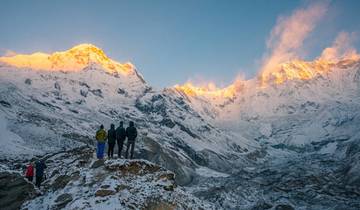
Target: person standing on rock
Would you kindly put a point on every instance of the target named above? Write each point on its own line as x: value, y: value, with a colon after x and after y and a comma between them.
x: 120, y: 137
x: 111, y: 141
x: 29, y: 174
x: 131, y: 134
x: 40, y: 166
x: 101, y: 139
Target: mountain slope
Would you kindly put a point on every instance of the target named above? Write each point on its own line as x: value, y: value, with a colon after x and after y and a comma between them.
x: 308, y: 129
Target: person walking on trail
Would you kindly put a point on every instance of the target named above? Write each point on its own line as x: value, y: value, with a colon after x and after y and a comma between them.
x: 101, y: 139
x: 131, y: 134
x: 29, y: 174
x: 40, y: 166
x: 120, y: 137
x: 111, y: 141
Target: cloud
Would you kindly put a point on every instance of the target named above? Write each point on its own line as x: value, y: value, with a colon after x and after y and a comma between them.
x: 341, y: 48
x: 289, y: 33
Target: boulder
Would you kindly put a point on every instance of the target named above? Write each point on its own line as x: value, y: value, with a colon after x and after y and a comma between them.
x: 28, y: 81
x: 14, y: 190
x: 160, y: 205
x: 284, y: 207
x: 63, y: 200
x: 132, y: 167
x: 104, y: 192
x: 60, y: 182
x: 97, y: 164
x: 57, y: 86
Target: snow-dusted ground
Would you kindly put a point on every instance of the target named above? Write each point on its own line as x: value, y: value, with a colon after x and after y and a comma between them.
x: 76, y: 180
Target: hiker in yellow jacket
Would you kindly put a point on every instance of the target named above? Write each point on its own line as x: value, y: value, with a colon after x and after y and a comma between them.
x: 101, y: 139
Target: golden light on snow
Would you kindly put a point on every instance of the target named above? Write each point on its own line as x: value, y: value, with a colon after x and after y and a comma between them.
x: 303, y: 70
x: 74, y: 59
x: 210, y: 89
x: 296, y: 70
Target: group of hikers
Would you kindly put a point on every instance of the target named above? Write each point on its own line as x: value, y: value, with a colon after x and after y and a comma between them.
x: 39, y: 172
x: 114, y: 136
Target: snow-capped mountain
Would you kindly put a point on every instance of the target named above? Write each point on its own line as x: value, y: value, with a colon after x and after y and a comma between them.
x: 74, y: 59
x: 237, y: 147
x: 305, y: 125
x: 49, y: 110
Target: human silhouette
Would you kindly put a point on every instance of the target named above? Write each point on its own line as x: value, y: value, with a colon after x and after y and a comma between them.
x: 101, y: 139
x: 120, y: 137
x: 131, y: 134
x: 111, y: 140
x: 40, y: 166
x: 29, y: 174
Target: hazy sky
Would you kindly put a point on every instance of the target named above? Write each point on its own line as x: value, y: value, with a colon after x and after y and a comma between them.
x: 169, y: 41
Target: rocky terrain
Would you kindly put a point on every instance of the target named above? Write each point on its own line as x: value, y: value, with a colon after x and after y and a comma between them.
x: 76, y: 180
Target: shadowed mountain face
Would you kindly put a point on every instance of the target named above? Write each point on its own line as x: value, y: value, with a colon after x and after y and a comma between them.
x: 255, y: 145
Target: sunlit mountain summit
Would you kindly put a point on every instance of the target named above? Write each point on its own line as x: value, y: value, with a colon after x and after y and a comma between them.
x: 74, y: 59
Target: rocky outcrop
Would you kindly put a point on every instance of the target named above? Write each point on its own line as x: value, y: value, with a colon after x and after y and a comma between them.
x: 131, y: 168
x: 14, y: 190
x: 63, y: 200
x: 77, y: 181
x: 104, y: 192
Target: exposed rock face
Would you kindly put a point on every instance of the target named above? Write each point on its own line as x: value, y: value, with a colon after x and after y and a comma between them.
x: 97, y: 92
x: 84, y: 92
x: 63, y: 200
x: 284, y: 207
x: 153, y: 205
x: 14, y: 190
x: 104, y: 193
x: 5, y: 104
x: 61, y: 181
x: 130, y: 168
x: 28, y: 81
x: 133, y: 167
x: 97, y: 163
x: 57, y: 86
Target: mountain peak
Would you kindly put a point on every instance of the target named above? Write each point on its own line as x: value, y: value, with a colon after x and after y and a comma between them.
x: 85, y: 46
x: 304, y: 70
x: 87, y: 49
x: 75, y: 59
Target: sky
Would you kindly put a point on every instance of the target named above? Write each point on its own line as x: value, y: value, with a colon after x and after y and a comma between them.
x: 171, y: 41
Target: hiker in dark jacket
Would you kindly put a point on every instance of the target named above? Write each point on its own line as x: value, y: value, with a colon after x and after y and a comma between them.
x: 120, y: 137
x: 111, y: 140
x: 39, y: 169
x: 131, y: 134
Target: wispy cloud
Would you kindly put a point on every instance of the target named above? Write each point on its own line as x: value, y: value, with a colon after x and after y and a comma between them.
x: 341, y: 48
x: 286, y: 38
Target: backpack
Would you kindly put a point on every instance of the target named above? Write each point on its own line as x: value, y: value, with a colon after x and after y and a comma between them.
x: 100, y: 135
